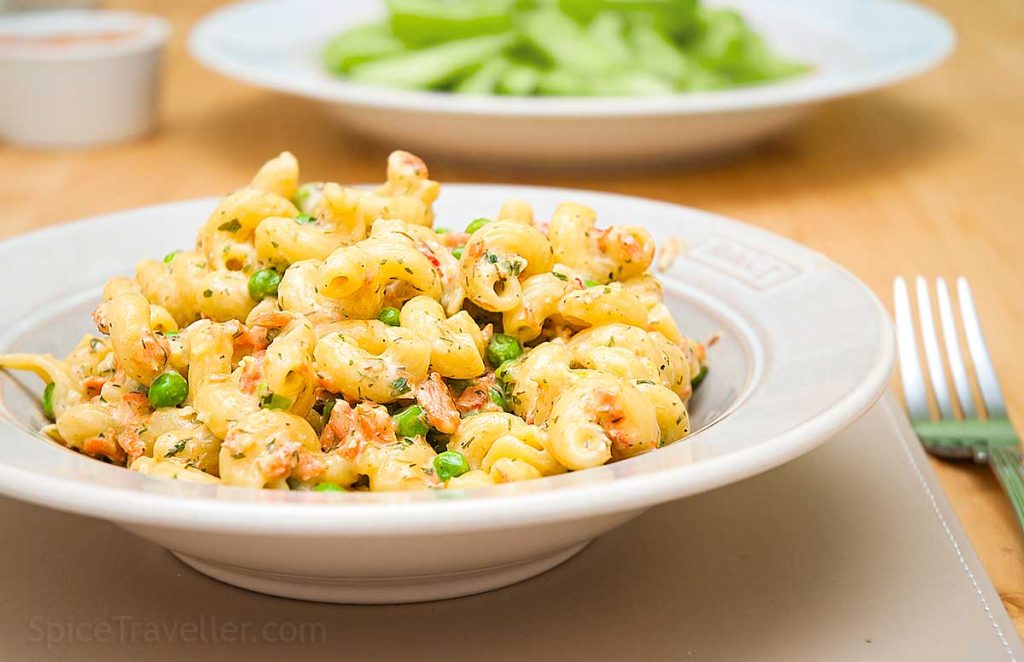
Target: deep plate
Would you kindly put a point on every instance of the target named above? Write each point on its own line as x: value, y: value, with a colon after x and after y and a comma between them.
x: 806, y: 350
x: 853, y: 45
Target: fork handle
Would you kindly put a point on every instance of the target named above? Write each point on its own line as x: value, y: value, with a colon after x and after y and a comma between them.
x: 1006, y: 463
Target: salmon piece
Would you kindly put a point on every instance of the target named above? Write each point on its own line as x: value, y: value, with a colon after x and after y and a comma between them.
x: 610, y: 416
x: 99, y: 318
x: 104, y: 447
x: 131, y: 414
x: 252, y: 374
x: 309, y: 466
x: 254, y: 338
x: 129, y: 440
x: 375, y: 424
x: 278, y: 462
x: 436, y: 400
x: 94, y: 384
x: 272, y: 320
x: 453, y: 239
x: 425, y: 251
x: 339, y: 426
x: 476, y: 396
x: 350, y: 430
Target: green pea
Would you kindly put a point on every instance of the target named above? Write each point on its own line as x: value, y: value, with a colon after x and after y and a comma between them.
x: 442, y: 230
x: 590, y: 282
x: 503, y: 348
x: 168, y: 390
x: 502, y: 371
x: 305, y: 219
x: 48, y: 401
x: 497, y: 397
x: 170, y: 256
x: 390, y: 316
x: 328, y: 486
x: 699, y: 377
x: 457, y: 252
x: 450, y: 464
x: 411, y: 422
x: 476, y: 225
x: 264, y: 284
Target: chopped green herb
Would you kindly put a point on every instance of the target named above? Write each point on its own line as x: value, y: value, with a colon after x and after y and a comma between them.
x: 178, y: 447
x: 305, y: 219
x: 170, y: 256
x: 275, y: 401
x: 497, y: 397
x: 328, y: 486
x: 325, y: 417
x: 231, y: 226
x: 400, y: 386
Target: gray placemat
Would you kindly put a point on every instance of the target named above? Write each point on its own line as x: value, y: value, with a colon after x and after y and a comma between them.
x: 849, y: 553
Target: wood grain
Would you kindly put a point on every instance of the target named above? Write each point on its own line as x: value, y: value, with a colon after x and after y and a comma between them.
x: 924, y: 178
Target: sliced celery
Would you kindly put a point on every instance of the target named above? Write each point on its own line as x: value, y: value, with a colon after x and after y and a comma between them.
x: 431, y: 67
x: 565, y: 42
x: 419, y: 23
x: 358, y: 45
x: 519, y: 80
x: 485, y: 79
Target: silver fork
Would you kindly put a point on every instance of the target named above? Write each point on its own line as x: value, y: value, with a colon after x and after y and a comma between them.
x: 953, y: 435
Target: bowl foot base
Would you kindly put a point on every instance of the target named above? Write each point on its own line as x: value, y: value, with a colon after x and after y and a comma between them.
x: 380, y: 590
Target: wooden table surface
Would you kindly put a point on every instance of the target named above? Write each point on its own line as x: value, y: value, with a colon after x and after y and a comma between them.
x: 924, y: 178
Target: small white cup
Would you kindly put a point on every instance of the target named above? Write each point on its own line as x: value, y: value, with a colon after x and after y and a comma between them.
x: 79, y: 78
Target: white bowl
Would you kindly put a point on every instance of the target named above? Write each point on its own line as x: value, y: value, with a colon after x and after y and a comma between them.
x: 77, y: 78
x: 806, y: 350
x: 853, y: 45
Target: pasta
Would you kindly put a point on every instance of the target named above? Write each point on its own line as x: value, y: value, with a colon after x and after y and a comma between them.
x: 320, y: 337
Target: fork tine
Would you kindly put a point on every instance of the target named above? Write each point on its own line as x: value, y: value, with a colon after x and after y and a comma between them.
x: 910, y: 368
x: 956, y: 359
x: 991, y: 394
x: 931, y: 350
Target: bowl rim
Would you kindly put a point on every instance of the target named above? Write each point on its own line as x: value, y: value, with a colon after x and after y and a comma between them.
x: 495, y: 509
x: 204, y: 40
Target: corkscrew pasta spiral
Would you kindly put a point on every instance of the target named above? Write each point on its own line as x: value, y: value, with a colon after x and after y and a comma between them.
x: 329, y: 338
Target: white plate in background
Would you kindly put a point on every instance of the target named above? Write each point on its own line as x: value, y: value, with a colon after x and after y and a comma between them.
x: 806, y: 349
x: 853, y: 45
